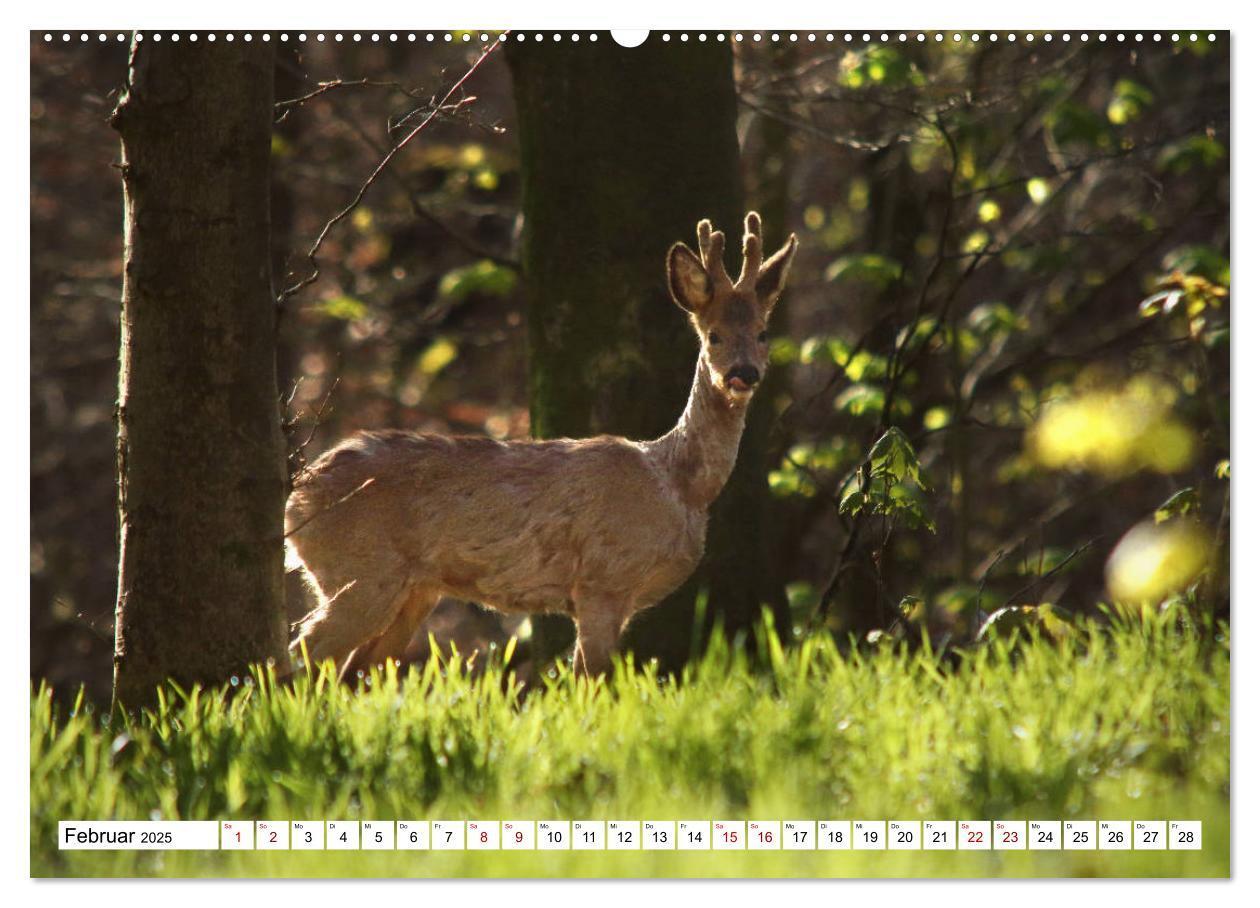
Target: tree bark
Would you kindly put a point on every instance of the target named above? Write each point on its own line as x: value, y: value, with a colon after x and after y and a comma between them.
x: 622, y: 152
x: 201, y: 471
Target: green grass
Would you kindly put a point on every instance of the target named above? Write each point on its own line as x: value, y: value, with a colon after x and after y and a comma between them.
x: 1124, y: 721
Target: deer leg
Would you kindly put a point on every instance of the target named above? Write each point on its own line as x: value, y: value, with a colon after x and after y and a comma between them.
x: 392, y: 642
x: 357, y: 611
x: 598, y: 628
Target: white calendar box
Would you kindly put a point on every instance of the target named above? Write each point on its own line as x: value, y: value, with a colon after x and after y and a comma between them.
x: 729, y: 835
x: 835, y: 834
x: 1045, y: 835
x: 1150, y: 835
x: 589, y: 835
x: 659, y: 835
x: 905, y: 835
x: 413, y: 835
x: 940, y: 835
x: 1010, y: 835
x: 800, y: 835
x: 271, y: 835
x: 448, y: 835
x: 236, y: 835
x: 694, y: 835
x: 1115, y: 835
x: 307, y: 835
x: 483, y: 835
x: 975, y: 835
x: 1080, y: 835
x: 870, y: 835
x: 342, y: 835
x: 378, y: 835
x: 624, y: 835
x: 554, y: 835
x: 517, y: 835
x: 765, y: 835
x: 1185, y: 835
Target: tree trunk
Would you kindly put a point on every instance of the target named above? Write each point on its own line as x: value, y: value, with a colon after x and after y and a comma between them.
x: 769, y: 172
x: 622, y: 152
x: 200, y: 459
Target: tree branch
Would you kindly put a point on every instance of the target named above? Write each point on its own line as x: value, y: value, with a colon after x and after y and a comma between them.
x: 312, y: 254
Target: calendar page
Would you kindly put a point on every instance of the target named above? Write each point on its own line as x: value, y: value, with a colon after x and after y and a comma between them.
x: 719, y: 452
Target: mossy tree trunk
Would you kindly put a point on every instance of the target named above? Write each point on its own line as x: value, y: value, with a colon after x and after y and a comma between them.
x: 622, y: 152
x: 768, y: 172
x: 200, y: 457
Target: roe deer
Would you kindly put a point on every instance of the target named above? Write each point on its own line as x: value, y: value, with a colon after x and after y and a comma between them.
x: 599, y: 528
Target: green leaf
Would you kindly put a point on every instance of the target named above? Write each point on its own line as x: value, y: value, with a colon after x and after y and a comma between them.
x: 863, y: 366
x: 1205, y: 261
x: 1030, y: 620
x: 437, y: 356
x: 783, y: 351
x: 1128, y: 100
x: 801, y: 596
x: 1180, y: 503
x: 1196, y: 151
x: 976, y: 241
x: 483, y: 277
x: 893, y: 486
x: 1074, y: 123
x: 991, y: 318
x: 989, y: 210
x: 788, y: 482
x: 851, y: 496
x: 893, y: 457
x: 878, y: 64
x: 343, y: 307
x: 860, y: 399
x: 816, y: 349
x: 912, y: 608
x: 868, y: 267
x: 936, y: 418
x: 1164, y: 301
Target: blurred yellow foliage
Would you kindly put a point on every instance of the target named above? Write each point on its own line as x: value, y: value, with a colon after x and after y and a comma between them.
x: 1154, y: 560
x: 472, y: 156
x: 1114, y: 431
x: 989, y: 211
x: 1038, y: 190
x: 439, y: 354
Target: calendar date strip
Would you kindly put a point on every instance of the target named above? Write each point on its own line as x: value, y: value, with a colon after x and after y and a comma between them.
x: 631, y: 835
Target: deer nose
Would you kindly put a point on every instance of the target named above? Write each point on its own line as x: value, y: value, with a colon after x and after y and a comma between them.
x: 743, y: 378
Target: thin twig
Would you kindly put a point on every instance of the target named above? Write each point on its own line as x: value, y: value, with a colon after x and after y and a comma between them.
x: 984, y: 580
x: 842, y: 141
x: 324, y: 510
x: 298, y: 455
x: 284, y: 108
x: 465, y: 242
x: 380, y: 168
x: 1054, y: 570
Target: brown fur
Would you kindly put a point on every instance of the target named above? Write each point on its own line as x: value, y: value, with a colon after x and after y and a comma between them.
x: 600, y: 528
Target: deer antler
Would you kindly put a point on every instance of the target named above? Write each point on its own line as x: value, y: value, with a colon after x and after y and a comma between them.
x: 752, y: 252
x: 712, y: 244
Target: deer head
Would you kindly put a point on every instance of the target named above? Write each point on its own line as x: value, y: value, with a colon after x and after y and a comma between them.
x: 730, y: 316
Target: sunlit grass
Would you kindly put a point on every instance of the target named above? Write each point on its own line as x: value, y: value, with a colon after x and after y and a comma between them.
x: 1129, y: 721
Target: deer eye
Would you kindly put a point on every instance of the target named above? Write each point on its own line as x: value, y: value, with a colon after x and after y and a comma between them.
x: 714, y: 340
x: 762, y: 337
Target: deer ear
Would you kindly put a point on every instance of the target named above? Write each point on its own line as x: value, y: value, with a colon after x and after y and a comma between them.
x: 689, y: 283
x: 772, y: 277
